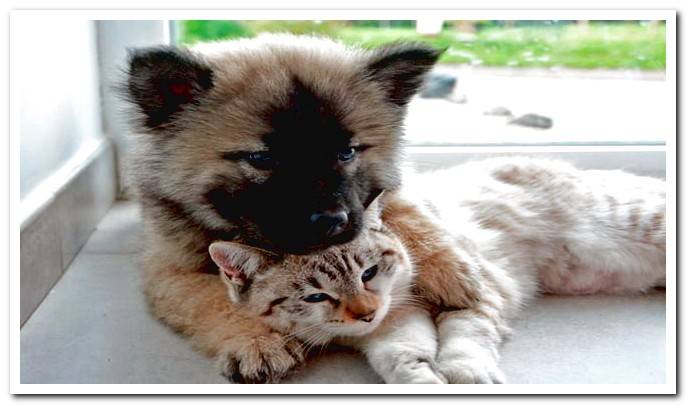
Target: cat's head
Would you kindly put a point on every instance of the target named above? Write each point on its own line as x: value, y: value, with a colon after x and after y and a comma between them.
x: 345, y: 290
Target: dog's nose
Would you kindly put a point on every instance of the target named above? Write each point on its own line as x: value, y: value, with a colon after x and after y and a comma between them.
x: 331, y: 222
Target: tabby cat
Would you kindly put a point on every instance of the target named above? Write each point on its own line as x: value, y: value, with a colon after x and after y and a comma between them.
x: 518, y: 226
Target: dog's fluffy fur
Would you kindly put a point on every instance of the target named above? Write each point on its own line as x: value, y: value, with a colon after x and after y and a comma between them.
x: 201, y: 114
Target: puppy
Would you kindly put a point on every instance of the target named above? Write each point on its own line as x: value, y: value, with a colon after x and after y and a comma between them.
x: 279, y: 142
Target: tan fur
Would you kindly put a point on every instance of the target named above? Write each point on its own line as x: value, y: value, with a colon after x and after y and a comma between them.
x: 177, y: 159
x: 195, y: 304
x: 260, y: 71
x: 445, y: 277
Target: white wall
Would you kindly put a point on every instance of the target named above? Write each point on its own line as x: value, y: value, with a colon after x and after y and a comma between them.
x: 114, y: 38
x: 57, y: 84
x: 65, y: 73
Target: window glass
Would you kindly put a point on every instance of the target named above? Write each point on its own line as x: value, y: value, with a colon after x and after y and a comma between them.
x: 513, y: 82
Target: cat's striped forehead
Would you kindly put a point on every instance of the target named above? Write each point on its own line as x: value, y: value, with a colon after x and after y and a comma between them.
x: 335, y: 266
x: 343, y: 264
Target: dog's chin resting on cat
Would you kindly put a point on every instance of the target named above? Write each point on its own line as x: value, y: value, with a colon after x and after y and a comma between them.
x: 516, y: 227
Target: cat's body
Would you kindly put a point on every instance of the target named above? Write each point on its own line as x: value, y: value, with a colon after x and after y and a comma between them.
x: 517, y: 226
x: 553, y: 227
x: 531, y: 226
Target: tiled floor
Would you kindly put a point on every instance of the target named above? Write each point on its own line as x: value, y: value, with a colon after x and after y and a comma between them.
x: 94, y: 327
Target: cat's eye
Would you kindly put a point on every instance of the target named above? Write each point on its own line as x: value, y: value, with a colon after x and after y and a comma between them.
x: 347, y: 154
x: 369, y: 274
x: 319, y: 297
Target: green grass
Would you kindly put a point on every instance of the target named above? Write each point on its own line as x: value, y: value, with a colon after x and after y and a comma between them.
x: 193, y: 31
x: 609, y: 46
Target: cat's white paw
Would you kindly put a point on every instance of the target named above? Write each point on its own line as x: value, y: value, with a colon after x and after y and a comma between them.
x: 471, y: 370
x: 262, y: 359
x: 415, y: 371
x: 426, y: 378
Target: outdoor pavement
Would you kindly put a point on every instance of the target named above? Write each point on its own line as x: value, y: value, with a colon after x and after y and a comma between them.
x: 626, y: 106
x: 95, y: 327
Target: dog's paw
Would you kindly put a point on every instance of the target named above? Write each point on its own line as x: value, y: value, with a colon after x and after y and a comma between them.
x: 261, y: 359
x: 471, y: 370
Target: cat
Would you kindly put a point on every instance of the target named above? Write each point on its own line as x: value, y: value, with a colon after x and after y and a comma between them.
x: 521, y: 226
x: 358, y: 294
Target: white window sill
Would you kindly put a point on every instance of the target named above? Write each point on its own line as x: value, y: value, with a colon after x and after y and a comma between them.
x: 647, y: 160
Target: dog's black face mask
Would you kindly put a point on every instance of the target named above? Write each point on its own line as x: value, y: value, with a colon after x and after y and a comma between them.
x: 318, y: 185
x: 313, y: 175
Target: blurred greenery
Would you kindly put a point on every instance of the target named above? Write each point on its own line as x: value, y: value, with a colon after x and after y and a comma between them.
x: 199, y: 30
x: 610, y: 45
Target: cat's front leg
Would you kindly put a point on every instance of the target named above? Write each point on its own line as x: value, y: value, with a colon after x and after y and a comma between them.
x: 468, y: 348
x: 469, y: 338
x: 470, y: 295
x: 403, y: 349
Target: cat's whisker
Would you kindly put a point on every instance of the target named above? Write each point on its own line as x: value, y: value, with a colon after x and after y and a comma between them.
x: 302, y: 330
x: 326, y: 344
x: 311, y: 344
x: 405, y: 296
x: 318, y: 338
x: 297, y: 334
x: 397, y: 300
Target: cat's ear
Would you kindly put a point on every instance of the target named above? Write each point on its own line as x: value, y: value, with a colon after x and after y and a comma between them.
x: 400, y: 68
x: 163, y: 81
x: 237, y: 265
x: 372, y: 217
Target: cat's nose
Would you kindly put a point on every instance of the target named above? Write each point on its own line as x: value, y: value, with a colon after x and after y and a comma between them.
x: 367, y: 317
x: 331, y: 223
x: 362, y: 307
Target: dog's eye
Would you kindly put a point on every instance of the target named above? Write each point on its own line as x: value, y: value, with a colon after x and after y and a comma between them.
x: 319, y: 297
x: 347, y: 154
x: 260, y: 160
x: 369, y: 274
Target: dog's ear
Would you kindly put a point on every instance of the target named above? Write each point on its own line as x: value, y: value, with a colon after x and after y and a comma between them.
x: 237, y: 265
x: 164, y: 80
x: 400, y: 68
x: 372, y: 217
